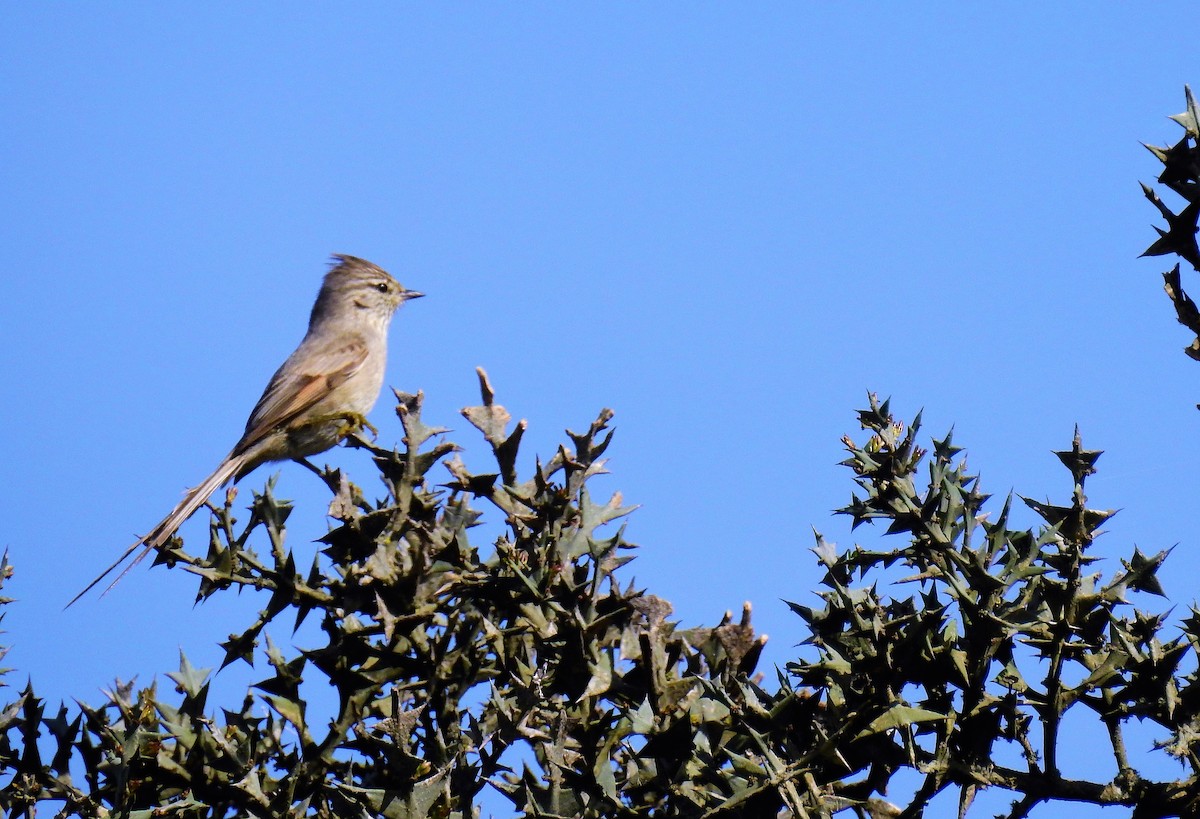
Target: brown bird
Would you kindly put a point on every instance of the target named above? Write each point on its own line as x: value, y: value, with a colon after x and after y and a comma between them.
x: 323, y: 391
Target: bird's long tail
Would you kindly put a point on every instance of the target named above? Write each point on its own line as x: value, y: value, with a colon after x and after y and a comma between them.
x: 163, y: 532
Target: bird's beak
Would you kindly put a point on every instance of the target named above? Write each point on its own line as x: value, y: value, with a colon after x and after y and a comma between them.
x: 407, y: 295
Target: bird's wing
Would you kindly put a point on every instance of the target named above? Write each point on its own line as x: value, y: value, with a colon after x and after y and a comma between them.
x: 293, y: 392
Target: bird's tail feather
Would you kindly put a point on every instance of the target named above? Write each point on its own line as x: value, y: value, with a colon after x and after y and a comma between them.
x: 163, y: 532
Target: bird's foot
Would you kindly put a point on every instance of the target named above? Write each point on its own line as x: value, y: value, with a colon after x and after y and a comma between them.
x: 348, y: 423
x: 355, y: 422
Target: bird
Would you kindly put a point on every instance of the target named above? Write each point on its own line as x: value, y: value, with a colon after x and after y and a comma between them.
x: 320, y: 393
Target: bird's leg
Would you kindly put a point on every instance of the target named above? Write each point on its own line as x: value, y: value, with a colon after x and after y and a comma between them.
x: 350, y: 422
x: 355, y: 422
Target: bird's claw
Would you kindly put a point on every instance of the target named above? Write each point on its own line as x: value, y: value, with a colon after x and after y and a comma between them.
x: 356, y: 422
x: 348, y: 423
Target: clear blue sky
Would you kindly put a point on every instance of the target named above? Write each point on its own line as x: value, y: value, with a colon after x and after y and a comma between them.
x: 724, y: 222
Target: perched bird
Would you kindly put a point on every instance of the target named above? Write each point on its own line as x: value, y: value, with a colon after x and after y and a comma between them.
x: 324, y: 389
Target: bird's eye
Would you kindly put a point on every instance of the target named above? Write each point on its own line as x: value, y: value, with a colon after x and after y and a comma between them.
x: 382, y: 287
